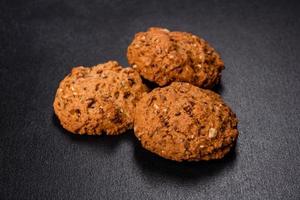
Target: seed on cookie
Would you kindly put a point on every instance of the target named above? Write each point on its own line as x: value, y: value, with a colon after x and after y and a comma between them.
x: 155, y: 106
x: 191, y: 129
x: 212, y: 133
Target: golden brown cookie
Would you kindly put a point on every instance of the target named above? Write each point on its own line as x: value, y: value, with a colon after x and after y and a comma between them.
x: 184, y: 122
x: 163, y: 57
x: 92, y: 100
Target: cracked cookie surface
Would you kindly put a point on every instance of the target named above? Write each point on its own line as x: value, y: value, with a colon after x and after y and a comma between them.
x: 184, y: 122
x: 163, y: 57
x: 93, y: 100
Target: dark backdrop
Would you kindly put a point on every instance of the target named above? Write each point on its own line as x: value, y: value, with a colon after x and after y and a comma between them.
x: 41, y: 40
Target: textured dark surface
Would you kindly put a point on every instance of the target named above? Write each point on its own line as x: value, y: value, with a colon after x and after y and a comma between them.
x: 41, y: 40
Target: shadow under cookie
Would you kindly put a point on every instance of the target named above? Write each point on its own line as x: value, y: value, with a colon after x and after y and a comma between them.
x: 154, y: 166
x: 111, y: 142
x: 219, y: 88
x: 151, y: 85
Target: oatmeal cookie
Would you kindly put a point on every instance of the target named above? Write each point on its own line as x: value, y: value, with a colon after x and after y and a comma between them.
x: 93, y: 100
x: 163, y: 57
x: 184, y: 122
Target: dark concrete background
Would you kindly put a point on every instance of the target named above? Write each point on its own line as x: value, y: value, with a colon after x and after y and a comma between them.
x: 41, y: 40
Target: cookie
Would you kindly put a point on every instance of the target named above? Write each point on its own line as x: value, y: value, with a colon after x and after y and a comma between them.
x: 183, y: 122
x: 93, y: 100
x: 163, y: 57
